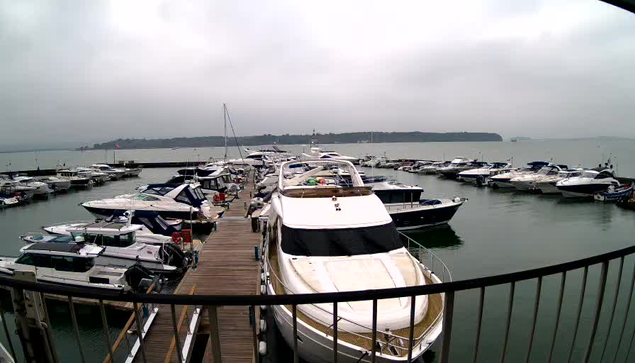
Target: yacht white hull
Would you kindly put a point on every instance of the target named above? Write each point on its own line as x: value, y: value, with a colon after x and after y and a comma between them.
x: 502, y: 184
x: 523, y: 185
x: 316, y: 347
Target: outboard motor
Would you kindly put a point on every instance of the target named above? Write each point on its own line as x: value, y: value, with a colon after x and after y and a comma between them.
x: 139, y: 278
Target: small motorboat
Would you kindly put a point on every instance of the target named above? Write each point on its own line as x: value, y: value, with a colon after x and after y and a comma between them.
x: 57, y: 185
x: 614, y: 194
x: 121, y: 246
x: 114, y: 173
x: 7, y: 201
x: 42, y: 190
x: 503, y: 180
x: 480, y: 176
x: 77, y: 180
x: 74, y: 265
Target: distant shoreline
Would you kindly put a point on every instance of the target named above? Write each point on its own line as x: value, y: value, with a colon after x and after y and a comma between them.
x: 286, y: 139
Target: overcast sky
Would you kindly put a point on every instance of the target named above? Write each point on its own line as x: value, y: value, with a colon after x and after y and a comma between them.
x: 92, y: 71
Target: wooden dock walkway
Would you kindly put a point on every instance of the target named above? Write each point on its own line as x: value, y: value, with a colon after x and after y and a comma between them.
x: 226, y: 266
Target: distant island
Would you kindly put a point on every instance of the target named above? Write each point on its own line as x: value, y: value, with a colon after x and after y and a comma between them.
x: 286, y: 139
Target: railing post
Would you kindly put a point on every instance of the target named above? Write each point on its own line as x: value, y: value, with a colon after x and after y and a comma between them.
x: 104, y: 322
x: 617, y: 293
x: 139, y: 331
x: 294, y: 313
x: 448, y: 312
x: 579, y: 313
x: 479, y: 324
x: 628, y: 308
x: 76, y: 328
x: 559, y: 311
x: 535, y: 318
x: 215, y: 333
x: 413, y: 300
x: 335, y: 332
x: 510, y: 309
x: 373, y: 352
x: 175, y: 330
x: 598, y: 310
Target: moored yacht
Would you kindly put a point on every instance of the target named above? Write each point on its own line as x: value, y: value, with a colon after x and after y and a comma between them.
x: 527, y: 182
x: 408, y: 211
x: 480, y: 176
x: 317, y: 153
x: 77, y: 180
x: 98, y: 177
x: 42, y: 190
x: 121, y: 247
x: 73, y: 264
x: 325, y: 237
x: 114, y: 173
x: 178, y: 201
x: 57, y: 185
x: 587, y: 184
x: 456, y: 166
x: 547, y: 184
x: 503, y: 180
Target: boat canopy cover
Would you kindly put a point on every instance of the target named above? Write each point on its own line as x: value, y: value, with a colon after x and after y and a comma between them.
x: 187, y: 194
x: 340, y: 242
x: 57, y: 247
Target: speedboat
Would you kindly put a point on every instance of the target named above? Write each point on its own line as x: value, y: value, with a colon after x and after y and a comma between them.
x: 77, y: 180
x: 527, y: 182
x: 154, y: 229
x: 7, y: 201
x: 503, y: 180
x: 98, y: 177
x: 455, y: 167
x: 114, y: 173
x: 42, y: 190
x: 74, y: 264
x: 317, y: 153
x: 10, y: 188
x: 324, y: 237
x: 547, y: 184
x: 480, y: 176
x: 57, y: 185
x: 178, y: 201
x: 121, y: 247
x: 432, y: 168
x: 408, y: 211
x: 588, y: 183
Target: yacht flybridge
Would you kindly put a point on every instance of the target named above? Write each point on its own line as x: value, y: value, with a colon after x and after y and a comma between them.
x: 180, y: 201
x: 327, y: 236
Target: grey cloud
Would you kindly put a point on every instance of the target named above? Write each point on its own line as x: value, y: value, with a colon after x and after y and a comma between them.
x: 91, y: 71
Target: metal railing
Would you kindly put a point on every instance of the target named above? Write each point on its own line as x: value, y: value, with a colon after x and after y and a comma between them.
x: 621, y: 339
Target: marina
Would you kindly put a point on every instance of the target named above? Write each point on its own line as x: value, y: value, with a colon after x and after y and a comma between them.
x: 227, y: 257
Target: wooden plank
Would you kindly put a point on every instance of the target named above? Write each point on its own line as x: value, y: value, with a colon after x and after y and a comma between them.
x: 226, y: 266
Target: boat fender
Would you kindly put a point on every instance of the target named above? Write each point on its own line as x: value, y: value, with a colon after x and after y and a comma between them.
x: 262, y: 277
x: 263, y: 289
x: 263, y: 308
x: 176, y: 237
x: 263, y: 325
x: 262, y: 348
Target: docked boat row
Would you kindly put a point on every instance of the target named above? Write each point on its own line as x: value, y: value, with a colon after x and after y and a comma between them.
x: 16, y: 190
x: 325, y: 229
x: 542, y: 177
x: 135, y: 240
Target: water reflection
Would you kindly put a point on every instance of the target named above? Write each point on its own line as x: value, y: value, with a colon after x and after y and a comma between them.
x: 437, y: 237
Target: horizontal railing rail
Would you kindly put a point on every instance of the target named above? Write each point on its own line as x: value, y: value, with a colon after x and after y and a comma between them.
x: 244, y: 300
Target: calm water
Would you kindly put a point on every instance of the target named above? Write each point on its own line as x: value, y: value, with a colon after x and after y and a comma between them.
x: 494, y: 232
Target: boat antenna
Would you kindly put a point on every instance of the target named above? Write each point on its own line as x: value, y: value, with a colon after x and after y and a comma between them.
x: 225, y: 128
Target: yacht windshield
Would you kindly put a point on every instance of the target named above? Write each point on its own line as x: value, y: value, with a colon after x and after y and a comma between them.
x: 340, y: 242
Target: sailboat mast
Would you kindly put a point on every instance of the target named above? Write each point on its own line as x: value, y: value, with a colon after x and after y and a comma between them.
x: 225, y: 128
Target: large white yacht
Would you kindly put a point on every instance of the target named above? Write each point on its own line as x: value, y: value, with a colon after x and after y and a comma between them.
x: 323, y: 236
x: 587, y: 184
x: 42, y: 190
x: 456, y: 166
x: 77, y: 180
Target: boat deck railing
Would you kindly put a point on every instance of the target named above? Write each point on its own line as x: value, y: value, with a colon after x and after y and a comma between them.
x: 567, y: 349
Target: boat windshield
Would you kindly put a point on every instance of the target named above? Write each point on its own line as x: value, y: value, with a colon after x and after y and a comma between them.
x: 121, y: 240
x: 340, y: 242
